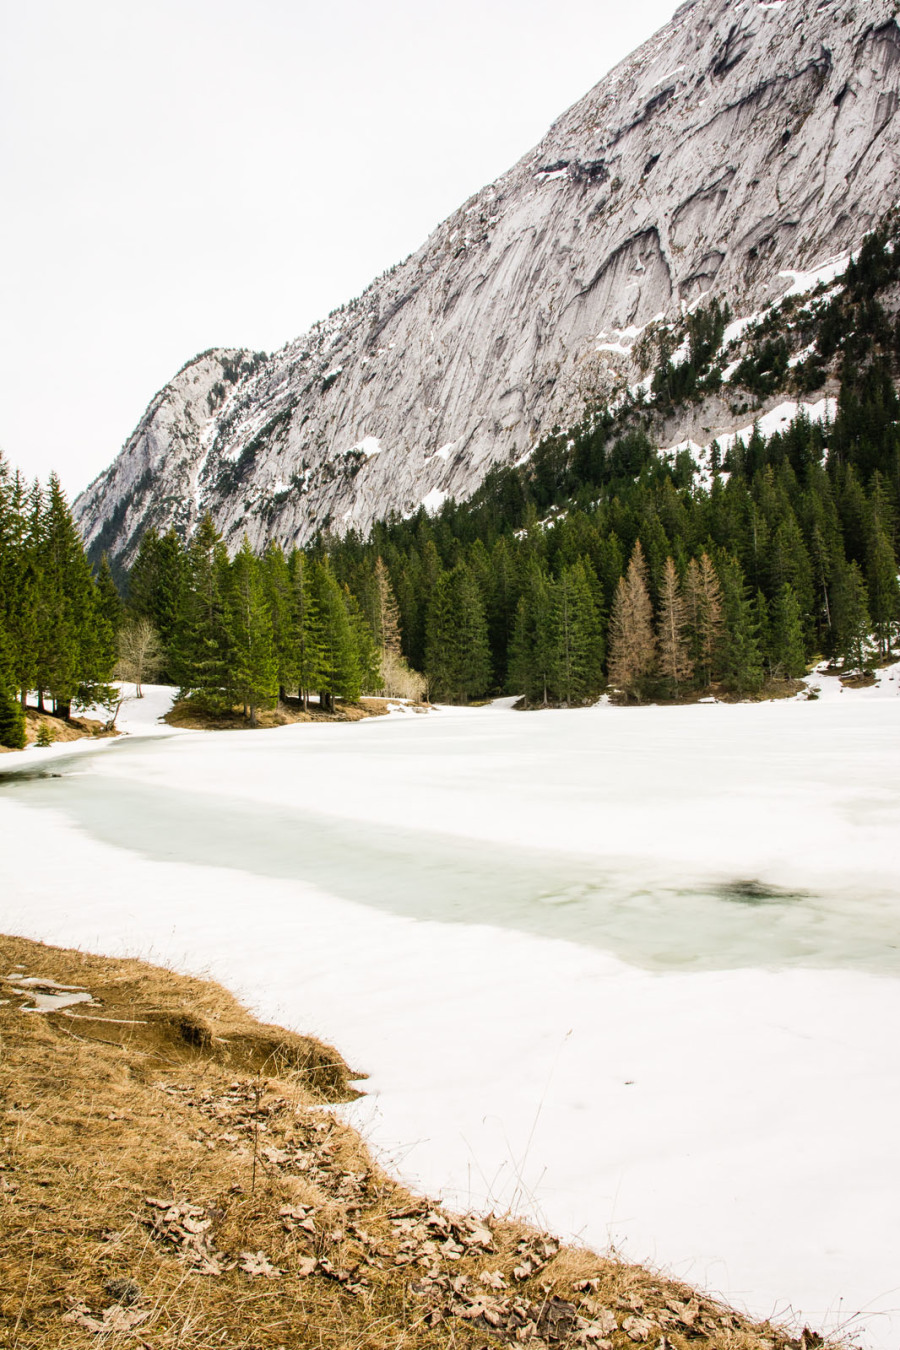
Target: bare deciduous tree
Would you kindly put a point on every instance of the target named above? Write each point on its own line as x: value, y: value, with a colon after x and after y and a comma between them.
x: 632, y: 646
x: 140, y: 653
x: 675, y: 663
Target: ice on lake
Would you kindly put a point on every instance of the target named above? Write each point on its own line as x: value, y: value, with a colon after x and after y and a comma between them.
x: 630, y: 971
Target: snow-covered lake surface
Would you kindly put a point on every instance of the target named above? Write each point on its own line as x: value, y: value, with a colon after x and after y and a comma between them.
x: 632, y: 972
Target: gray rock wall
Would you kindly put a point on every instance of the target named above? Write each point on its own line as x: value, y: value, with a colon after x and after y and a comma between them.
x: 742, y: 140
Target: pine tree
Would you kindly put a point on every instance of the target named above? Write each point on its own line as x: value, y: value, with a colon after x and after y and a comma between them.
x: 253, y: 670
x: 675, y: 664
x: 632, y: 646
x: 457, y: 654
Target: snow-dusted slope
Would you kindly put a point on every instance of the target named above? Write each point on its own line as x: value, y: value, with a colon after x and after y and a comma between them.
x: 744, y: 140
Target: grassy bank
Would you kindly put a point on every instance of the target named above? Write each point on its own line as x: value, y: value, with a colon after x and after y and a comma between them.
x: 172, y: 1174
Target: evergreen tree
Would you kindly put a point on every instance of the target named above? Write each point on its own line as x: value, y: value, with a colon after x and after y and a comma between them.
x: 786, y: 650
x: 675, y: 665
x: 850, y: 606
x: 457, y: 655
x: 276, y: 575
x: 369, y: 657
x: 884, y: 591
x: 200, y: 655
x: 632, y: 646
x: 306, y: 629
x: 576, y: 637
x: 12, y: 716
x: 742, y: 660
x: 339, y: 671
x: 531, y: 662
x: 253, y: 667
x: 75, y: 653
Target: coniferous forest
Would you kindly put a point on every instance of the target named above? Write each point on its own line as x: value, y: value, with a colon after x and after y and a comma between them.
x: 595, y: 564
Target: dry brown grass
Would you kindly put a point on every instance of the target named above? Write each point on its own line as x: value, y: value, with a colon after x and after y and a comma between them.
x: 184, y: 714
x: 171, y: 1176
x: 61, y: 729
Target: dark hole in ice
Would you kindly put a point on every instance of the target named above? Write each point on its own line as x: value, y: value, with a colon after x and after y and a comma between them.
x: 752, y: 892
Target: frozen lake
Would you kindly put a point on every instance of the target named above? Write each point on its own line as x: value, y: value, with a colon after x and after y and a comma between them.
x: 632, y: 972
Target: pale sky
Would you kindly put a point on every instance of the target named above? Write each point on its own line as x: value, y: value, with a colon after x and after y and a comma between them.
x: 184, y: 174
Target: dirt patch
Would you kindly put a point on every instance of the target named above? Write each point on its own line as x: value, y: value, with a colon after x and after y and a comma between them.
x: 61, y: 729
x: 184, y: 714
x: 171, y: 1175
x: 864, y: 681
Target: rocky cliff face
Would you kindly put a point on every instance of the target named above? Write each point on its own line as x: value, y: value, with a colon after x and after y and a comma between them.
x: 743, y: 140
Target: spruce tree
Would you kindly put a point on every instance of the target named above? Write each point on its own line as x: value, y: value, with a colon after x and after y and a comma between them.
x: 457, y: 654
x: 850, y: 606
x: 339, y: 671
x: 12, y: 716
x: 306, y: 629
x: 253, y: 667
x: 532, y: 656
x: 578, y: 649
x: 200, y: 656
x: 280, y: 597
x: 786, y: 650
x: 741, y: 659
x: 75, y: 654
x: 883, y: 588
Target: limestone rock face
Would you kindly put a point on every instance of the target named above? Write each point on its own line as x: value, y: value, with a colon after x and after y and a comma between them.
x: 743, y: 140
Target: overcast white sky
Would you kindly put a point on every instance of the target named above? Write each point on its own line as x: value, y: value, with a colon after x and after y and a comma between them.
x: 183, y: 174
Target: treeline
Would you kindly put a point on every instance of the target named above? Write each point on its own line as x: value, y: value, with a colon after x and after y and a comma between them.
x: 250, y: 630
x: 660, y: 589
x: 58, y: 622
x: 595, y: 547
x: 594, y: 563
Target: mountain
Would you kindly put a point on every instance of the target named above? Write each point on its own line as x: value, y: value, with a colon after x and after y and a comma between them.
x: 743, y: 143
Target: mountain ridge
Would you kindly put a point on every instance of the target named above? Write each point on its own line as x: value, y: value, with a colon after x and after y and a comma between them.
x: 727, y: 149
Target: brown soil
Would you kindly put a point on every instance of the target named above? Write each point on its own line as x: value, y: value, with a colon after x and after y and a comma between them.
x: 184, y: 714
x: 171, y: 1175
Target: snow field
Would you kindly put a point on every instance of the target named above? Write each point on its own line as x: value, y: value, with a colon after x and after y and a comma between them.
x: 733, y: 1121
